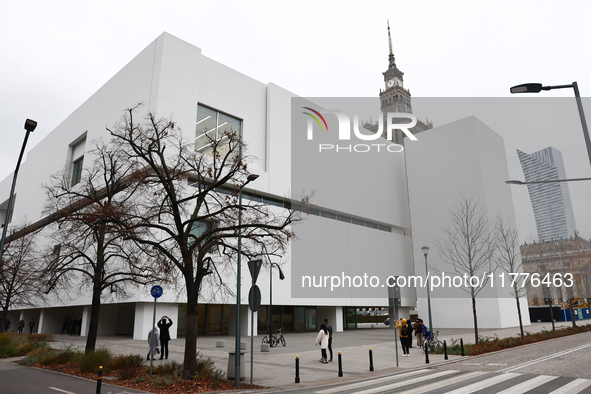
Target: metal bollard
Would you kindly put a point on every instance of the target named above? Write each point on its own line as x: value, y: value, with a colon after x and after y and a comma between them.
x: 340, y: 366
x: 370, y: 360
x: 444, y: 350
x: 426, y: 355
x: 462, y: 346
x: 99, y: 380
x: 297, y: 378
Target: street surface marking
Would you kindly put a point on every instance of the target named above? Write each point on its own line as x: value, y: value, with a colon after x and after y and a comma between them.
x: 382, y: 389
x: 528, y: 385
x: 471, y: 363
x: 574, y: 387
x: 365, y: 384
x: 545, y: 358
x: 63, y: 391
x: 484, y: 384
x: 493, y: 364
x: 441, y: 383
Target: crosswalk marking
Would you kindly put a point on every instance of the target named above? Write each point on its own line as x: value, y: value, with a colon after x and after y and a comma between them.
x: 60, y: 390
x: 442, y: 383
x: 485, y: 383
x: 576, y: 386
x: 528, y: 384
x: 353, y: 386
x: 381, y: 389
x: 545, y: 358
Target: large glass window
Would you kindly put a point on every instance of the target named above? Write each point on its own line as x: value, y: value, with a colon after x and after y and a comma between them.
x: 215, y: 126
x: 77, y: 170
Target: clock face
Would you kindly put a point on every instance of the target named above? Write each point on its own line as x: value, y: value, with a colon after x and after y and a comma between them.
x: 390, y: 83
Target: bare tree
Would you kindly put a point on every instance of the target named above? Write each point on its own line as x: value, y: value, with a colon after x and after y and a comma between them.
x: 91, y: 245
x: 468, y: 246
x: 190, y: 208
x: 510, y: 259
x: 20, y: 274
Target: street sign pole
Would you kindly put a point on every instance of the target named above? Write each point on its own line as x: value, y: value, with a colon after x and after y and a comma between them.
x: 393, y: 301
x: 254, y: 267
x: 156, y: 292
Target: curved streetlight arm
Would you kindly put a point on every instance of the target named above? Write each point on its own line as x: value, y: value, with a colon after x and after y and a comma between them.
x: 513, y: 182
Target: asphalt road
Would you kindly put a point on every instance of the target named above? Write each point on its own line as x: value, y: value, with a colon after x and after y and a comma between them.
x: 17, y: 379
x: 554, y: 366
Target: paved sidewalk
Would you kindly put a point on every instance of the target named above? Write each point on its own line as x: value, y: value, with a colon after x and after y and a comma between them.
x: 277, y: 367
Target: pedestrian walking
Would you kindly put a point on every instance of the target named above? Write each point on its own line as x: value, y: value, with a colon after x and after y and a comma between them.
x: 419, y: 332
x: 21, y: 325
x: 73, y: 325
x: 66, y: 325
x: 322, y: 340
x: 7, y: 325
x: 404, y: 331
x: 329, y: 328
x: 153, y: 341
x: 163, y: 325
x: 31, y: 325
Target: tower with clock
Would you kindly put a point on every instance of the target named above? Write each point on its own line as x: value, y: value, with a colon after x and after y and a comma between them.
x: 395, y: 98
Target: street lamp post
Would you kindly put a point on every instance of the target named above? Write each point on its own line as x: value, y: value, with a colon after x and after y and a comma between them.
x: 249, y: 179
x: 29, y: 127
x: 425, y: 250
x: 537, y: 87
x: 281, y: 276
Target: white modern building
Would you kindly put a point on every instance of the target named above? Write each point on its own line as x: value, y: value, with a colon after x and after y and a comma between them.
x: 360, y: 223
x: 551, y: 202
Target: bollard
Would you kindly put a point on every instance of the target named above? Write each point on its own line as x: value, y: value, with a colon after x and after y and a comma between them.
x: 99, y: 380
x: 444, y: 350
x: 340, y: 366
x: 426, y: 354
x: 370, y: 360
x: 297, y: 379
x: 462, y: 346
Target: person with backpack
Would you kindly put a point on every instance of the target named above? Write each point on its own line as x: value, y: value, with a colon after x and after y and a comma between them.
x: 419, y: 332
x: 404, y: 331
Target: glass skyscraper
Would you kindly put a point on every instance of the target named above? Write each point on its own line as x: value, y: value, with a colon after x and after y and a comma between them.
x: 551, y: 202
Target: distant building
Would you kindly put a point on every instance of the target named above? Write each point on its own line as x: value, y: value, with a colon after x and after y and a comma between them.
x: 395, y: 98
x: 551, y: 201
x: 552, y: 261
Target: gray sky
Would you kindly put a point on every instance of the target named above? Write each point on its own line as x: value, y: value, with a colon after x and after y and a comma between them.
x: 57, y: 54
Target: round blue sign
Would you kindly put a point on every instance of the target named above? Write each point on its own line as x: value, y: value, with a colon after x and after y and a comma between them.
x: 156, y: 291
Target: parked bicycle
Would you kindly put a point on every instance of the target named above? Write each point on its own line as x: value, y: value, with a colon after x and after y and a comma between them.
x: 275, y: 338
x: 431, y: 342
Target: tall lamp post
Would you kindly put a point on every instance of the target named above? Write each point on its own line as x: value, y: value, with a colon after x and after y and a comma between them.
x: 29, y: 127
x: 281, y: 276
x: 249, y: 179
x: 537, y: 87
x: 425, y: 250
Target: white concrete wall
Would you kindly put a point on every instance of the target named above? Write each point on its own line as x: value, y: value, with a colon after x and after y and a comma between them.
x: 462, y: 158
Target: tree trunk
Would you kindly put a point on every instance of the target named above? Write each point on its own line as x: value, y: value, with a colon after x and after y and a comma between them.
x: 572, y: 311
x: 552, y: 315
x: 190, y: 359
x: 475, y: 320
x: 519, y: 314
x: 95, y: 311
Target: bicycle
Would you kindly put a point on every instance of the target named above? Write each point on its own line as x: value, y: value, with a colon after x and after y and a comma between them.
x: 431, y: 342
x: 279, y: 338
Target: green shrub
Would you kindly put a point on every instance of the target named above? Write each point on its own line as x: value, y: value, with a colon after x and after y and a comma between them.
x: 206, y: 370
x: 35, y: 356
x: 50, y: 358
x: 90, y: 362
x: 165, y: 380
x: 169, y: 368
x: 69, y: 354
x: 128, y: 366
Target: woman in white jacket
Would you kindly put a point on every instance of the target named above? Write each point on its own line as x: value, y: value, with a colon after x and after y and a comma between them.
x: 322, y: 339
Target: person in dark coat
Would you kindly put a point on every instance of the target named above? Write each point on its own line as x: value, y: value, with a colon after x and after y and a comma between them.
x: 31, y: 325
x: 73, y: 326
x: 163, y: 325
x: 66, y: 325
x: 7, y: 325
x: 329, y: 328
x: 21, y: 325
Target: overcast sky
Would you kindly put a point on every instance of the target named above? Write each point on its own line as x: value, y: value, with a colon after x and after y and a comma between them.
x: 54, y: 55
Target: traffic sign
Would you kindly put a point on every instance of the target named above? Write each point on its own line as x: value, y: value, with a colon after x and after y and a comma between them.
x: 255, y: 267
x: 156, y: 291
x: 254, y: 298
